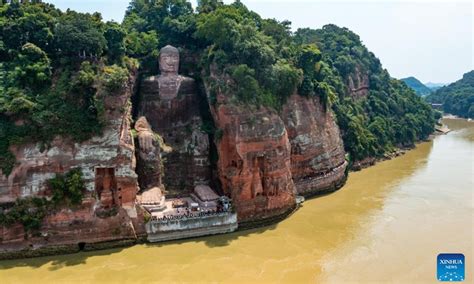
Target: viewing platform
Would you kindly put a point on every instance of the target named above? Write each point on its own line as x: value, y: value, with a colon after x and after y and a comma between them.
x: 200, y: 214
x: 191, y: 225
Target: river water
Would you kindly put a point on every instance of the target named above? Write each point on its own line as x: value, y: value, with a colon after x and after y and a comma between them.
x: 387, y: 224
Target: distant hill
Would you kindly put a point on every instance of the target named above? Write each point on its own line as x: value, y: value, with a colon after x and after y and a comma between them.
x: 434, y: 86
x: 457, y: 98
x: 417, y: 86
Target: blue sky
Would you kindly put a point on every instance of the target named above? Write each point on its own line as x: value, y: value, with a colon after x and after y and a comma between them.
x: 431, y: 40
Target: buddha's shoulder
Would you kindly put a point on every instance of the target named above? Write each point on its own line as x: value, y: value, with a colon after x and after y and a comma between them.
x: 188, y: 85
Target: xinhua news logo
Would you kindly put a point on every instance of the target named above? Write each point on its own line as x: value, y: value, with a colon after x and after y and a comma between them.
x: 451, y: 267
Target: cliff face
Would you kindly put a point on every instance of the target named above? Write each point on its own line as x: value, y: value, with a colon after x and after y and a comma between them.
x: 317, y: 153
x: 265, y: 159
x: 358, y: 84
x: 254, y: 161
x: 107, y: 163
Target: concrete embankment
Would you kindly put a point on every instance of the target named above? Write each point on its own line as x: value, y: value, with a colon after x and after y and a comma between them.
x: 190, y: 227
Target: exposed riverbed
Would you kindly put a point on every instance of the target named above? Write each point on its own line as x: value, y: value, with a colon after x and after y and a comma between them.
x: 387, y: 224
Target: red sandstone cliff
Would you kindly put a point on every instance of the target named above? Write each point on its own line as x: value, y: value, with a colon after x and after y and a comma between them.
x: 107, y: 163
x: 317, y: 152
x: 265, y: 158
x: 254, y: 159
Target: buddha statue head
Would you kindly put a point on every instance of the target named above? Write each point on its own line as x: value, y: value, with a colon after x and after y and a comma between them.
x: 169, y: 60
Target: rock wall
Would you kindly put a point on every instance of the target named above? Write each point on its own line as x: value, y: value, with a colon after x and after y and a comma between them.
x: 254, y: 160
x: 266, y: 158
x: 317, y: 151
x: 358, y: 84
x: 107, y: 162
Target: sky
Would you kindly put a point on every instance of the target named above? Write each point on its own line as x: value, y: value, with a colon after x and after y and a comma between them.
x: 430, y: 40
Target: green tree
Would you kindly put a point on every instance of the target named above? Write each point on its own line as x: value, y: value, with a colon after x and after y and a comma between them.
x: 32, y: 68
x: 79, y: 35
x: 115, y: 36
x: 207, y: 6
x: 172, y: 20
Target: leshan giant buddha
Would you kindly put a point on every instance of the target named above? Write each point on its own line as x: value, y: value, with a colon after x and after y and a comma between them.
x: 170, y: 102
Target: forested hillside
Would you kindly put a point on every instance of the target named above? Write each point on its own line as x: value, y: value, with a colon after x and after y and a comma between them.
x: 56, y: 67
x: 388, y: 115
x: 417, y: 86
x: 457, y: 98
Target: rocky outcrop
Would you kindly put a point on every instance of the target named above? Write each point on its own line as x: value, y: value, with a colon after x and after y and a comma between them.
x: 254, y: 160
x: 266, y: 158
x: 317, y: 152
x: 358, y: 84
x: 107, y: 162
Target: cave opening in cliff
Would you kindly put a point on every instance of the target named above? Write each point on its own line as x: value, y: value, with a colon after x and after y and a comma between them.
x: 81, y: 246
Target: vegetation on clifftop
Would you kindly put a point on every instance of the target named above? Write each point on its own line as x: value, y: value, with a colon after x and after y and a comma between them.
x: 53, y: 65
x: 390, y: 115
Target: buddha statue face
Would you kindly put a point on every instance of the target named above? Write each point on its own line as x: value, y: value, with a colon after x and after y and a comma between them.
x: 169, y: 60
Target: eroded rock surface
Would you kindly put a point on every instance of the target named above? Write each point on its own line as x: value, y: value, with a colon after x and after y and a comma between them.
x: 358, y: 84
x: 254, y: 160
x: 317, y: 152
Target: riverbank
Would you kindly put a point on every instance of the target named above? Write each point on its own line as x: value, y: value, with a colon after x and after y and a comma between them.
x: 371, y: 161
x: 48, y: 250
x: 364, y: 232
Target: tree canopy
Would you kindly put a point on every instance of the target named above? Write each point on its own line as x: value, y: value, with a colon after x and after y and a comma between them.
x: 51, y: 66
x: 54, y: 64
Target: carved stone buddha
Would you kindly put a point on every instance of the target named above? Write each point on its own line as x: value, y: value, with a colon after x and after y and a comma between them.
x: 169, y: 81
x: 170, y: 103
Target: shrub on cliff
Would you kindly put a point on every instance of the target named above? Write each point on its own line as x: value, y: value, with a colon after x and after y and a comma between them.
x: 240, y: 47
x: 67, y: 188
x: 30, y: 212
x: 115, y: 36
x: 81, y: 35
x: 114, y: 78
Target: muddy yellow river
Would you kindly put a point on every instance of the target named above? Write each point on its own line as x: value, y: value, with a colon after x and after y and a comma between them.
x: 388, y: 224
